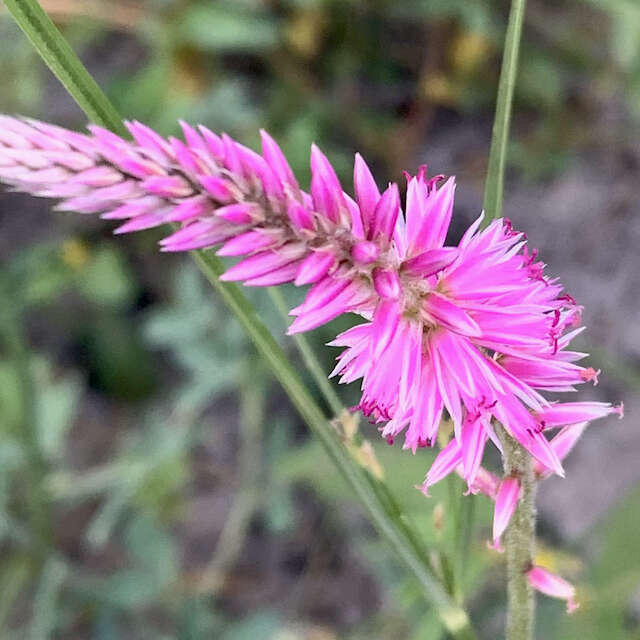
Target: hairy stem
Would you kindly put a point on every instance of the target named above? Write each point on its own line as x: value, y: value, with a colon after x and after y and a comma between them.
x: 520, y: 543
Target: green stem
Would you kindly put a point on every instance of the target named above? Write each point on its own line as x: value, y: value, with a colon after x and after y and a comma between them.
x: 494, y: 185
x: 520, y: 542
x: 66, y: 66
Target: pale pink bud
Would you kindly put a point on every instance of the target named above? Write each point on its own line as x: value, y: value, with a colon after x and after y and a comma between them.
x: 367, y: 192
x: 276, y: 160
x: 167, y: 186
x: 314, y: 267
x: 241, y: 213
x: 365, y: 252
x: 325, y: 186
x: 385, y: 214
x: 387, y: 284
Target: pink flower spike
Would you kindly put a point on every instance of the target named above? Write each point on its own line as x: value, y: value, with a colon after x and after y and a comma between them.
x: 475, y: 329
x: 506, y: 503
x: 554, y: 586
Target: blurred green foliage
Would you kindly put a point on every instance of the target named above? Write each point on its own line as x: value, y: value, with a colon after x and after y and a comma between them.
x: 121, y: 394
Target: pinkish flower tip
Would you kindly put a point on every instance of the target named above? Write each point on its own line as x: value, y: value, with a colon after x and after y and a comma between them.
x: 554, y: 586
x: 506, y: 503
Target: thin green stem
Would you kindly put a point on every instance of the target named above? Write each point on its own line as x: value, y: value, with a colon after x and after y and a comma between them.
x: 494, y: 185
x: 309, y: 357
x: 520, y: 542
x: 66, y: 66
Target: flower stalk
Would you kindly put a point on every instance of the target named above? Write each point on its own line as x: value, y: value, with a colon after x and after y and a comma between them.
x: 519, y: 542
x: 494, y: 184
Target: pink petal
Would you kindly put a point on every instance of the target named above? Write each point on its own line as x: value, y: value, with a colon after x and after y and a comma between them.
x: 276, y: 160
x: 367, y: 192
x: 314, y: 267
x: 385, y: 214
x: 325, y: 186
x: 450, y: 315
x: 553, y: 585
x: 446, y: 462
x: 506, y: 503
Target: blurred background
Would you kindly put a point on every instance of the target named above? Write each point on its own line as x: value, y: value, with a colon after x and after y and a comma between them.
x: 154, y: 480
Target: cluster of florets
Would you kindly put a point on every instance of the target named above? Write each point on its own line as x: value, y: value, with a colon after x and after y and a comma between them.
x: 474, y: 331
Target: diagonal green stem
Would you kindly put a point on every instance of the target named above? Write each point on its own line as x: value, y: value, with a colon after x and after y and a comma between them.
x: 373, y: 494
x: 494, y: 185
x: 66, y: 66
